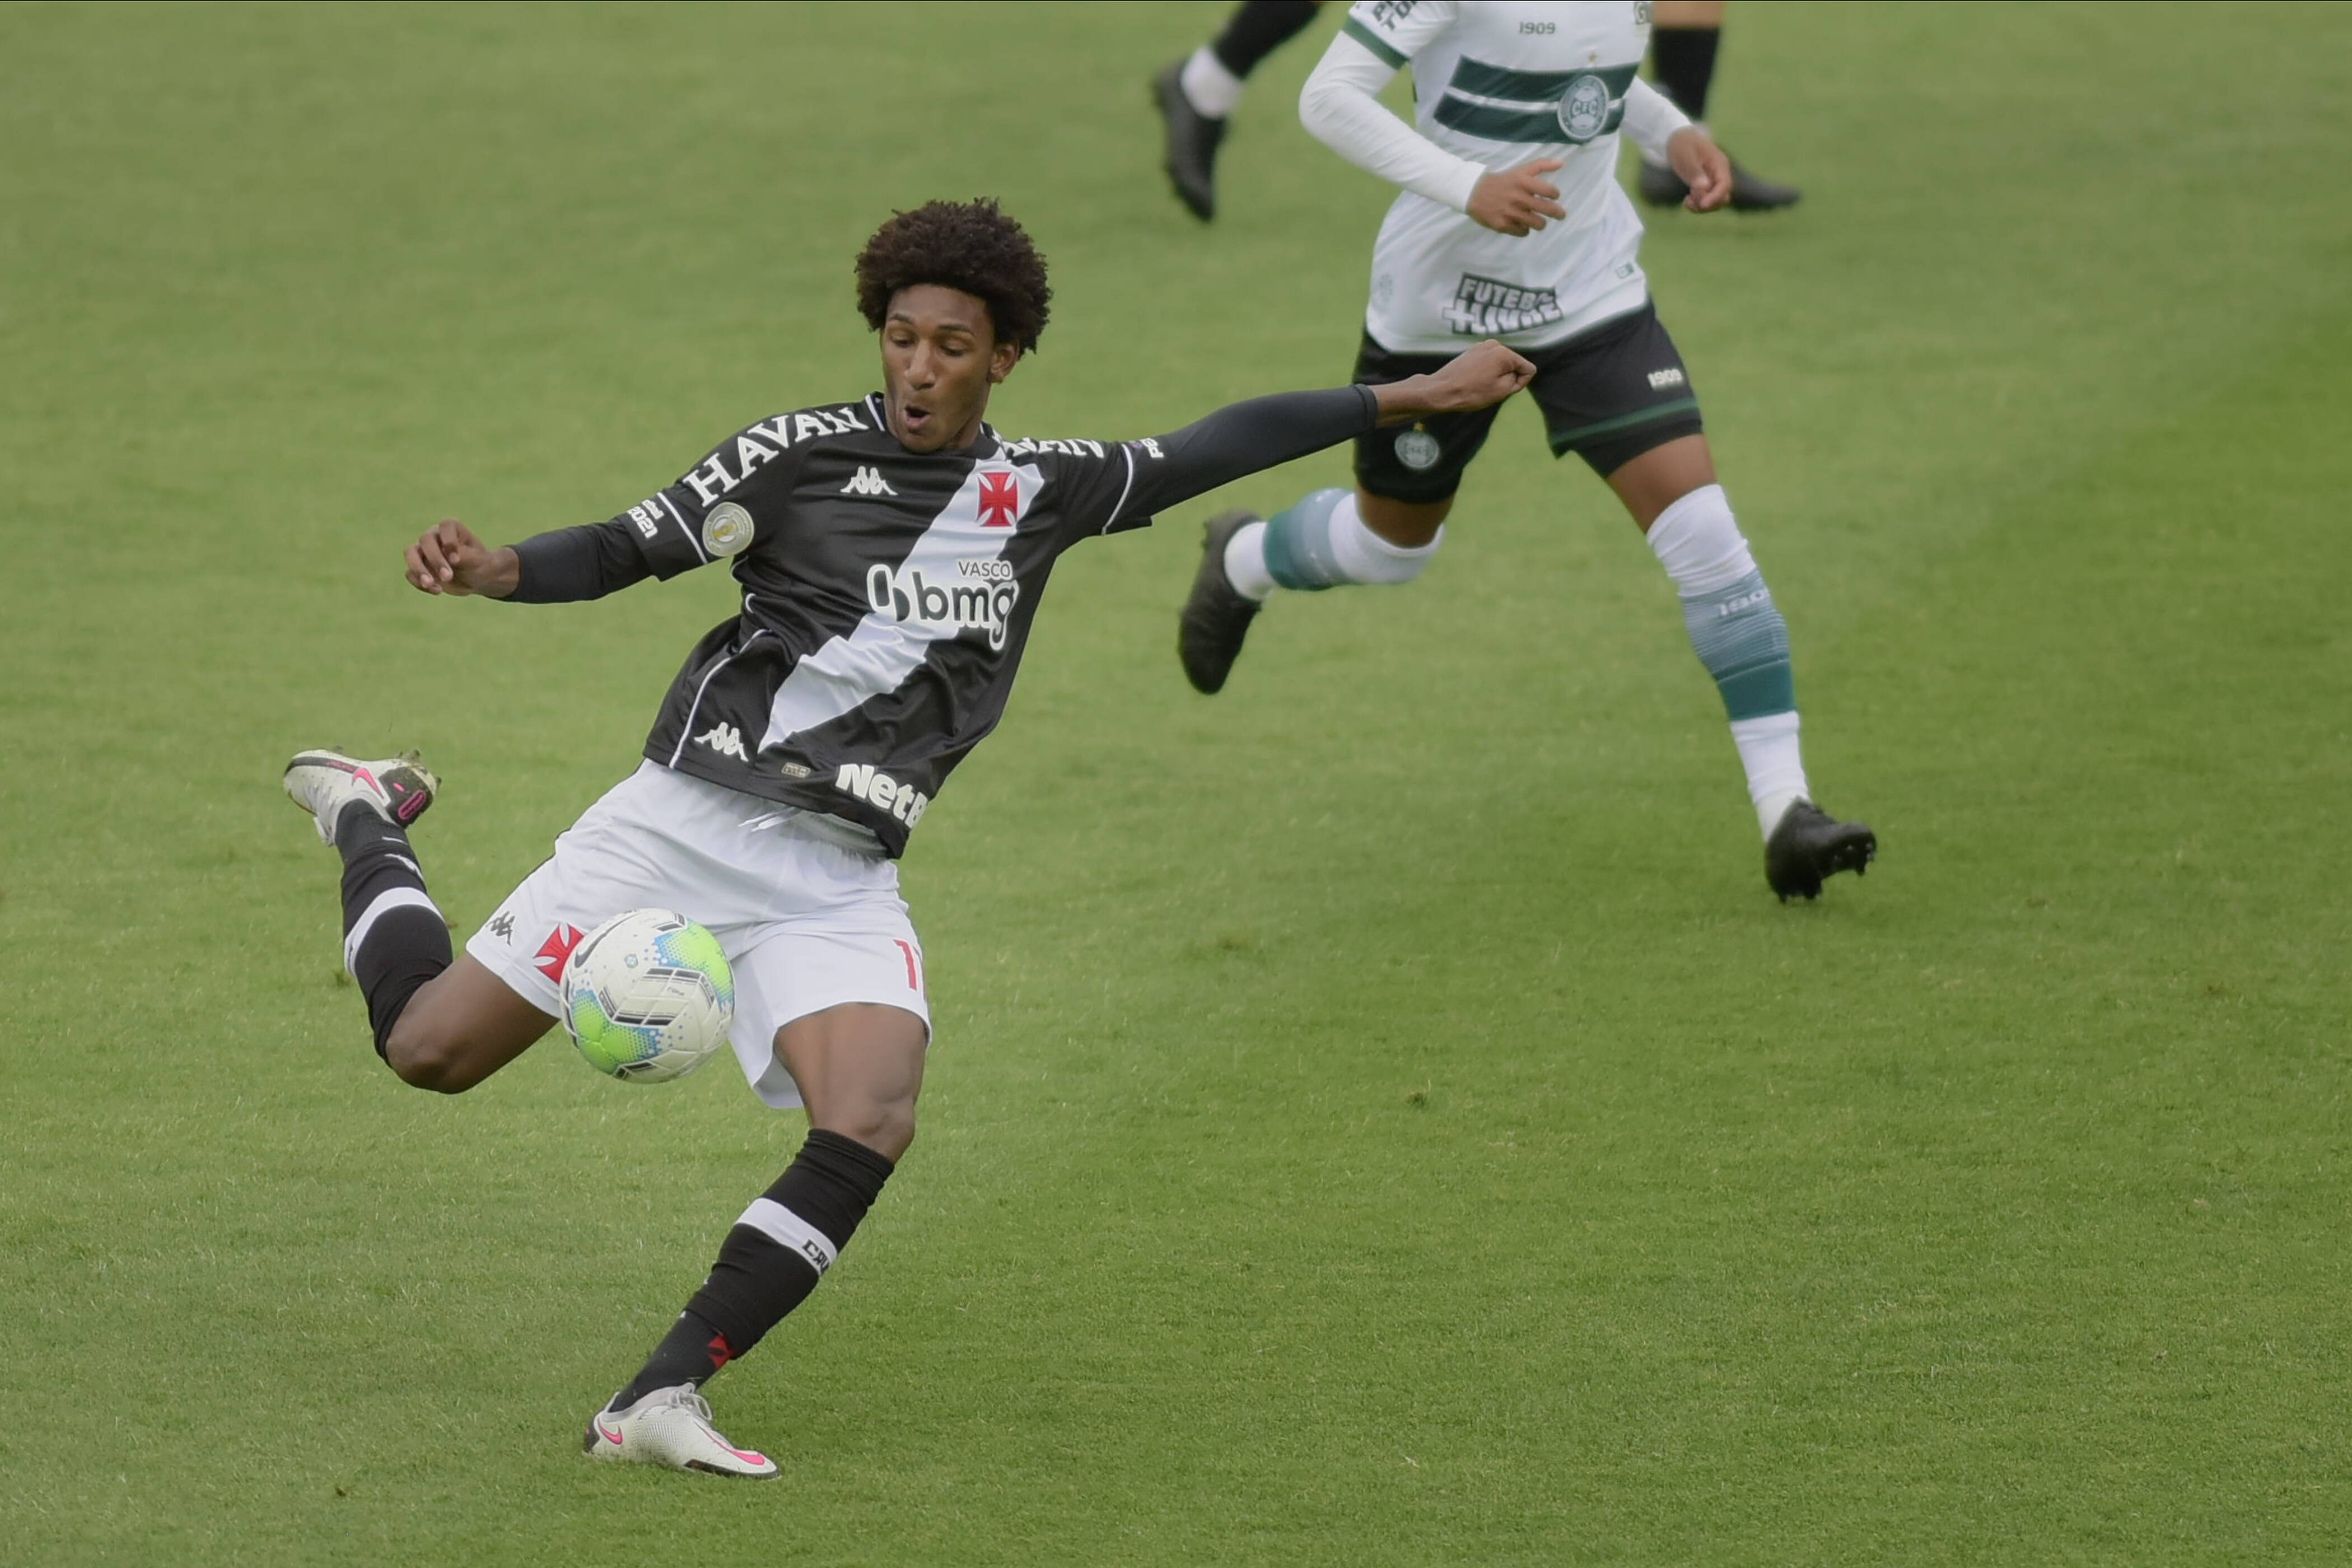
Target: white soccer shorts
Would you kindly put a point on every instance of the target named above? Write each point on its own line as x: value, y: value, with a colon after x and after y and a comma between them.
x: 808, y: 922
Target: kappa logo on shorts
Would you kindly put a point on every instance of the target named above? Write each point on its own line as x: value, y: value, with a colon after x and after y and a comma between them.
x: 556, y: 949
x: 503, y: 928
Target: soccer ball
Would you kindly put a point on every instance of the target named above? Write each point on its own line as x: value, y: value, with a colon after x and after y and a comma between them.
x: 648, y: 996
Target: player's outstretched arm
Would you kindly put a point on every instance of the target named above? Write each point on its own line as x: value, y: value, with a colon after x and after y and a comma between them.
x: 1264, y: 432
x: 564, y: 566
x: 1476, y: 378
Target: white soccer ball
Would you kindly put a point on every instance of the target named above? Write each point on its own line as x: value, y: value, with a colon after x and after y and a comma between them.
x: 648, y: 996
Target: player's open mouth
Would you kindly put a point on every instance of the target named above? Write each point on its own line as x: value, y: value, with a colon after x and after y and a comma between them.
x: 914, y: 419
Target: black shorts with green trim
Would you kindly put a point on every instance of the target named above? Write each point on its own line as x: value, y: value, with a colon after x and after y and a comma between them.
x: 1609, y: 394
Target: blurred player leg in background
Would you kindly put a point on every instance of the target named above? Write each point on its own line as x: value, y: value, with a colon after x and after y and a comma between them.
x: 1684, y: 36
x: 1604, y: 399
x: 1197, y: 94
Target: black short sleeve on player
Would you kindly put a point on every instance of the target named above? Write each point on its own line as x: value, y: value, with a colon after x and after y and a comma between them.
x: 668, y: 527
x: 712, y: 512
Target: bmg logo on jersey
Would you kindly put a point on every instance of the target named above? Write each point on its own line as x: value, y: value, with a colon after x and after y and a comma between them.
x: 980, y: 599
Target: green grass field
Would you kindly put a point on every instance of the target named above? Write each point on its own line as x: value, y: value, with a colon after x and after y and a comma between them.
x: 1379, y: 1115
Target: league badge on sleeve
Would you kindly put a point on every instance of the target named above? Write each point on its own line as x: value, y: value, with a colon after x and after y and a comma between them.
x: 727, y: 529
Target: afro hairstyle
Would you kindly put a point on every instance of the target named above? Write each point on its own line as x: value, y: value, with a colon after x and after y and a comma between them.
x: 970, y: 247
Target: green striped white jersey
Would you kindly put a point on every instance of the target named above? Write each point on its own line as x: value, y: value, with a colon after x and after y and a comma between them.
x: 1498, y: 84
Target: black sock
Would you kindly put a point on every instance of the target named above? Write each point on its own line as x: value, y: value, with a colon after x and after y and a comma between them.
x: 1684, y: 58
x: 770, y: 1261
x: 394, y: 940
x: 1257, y: 28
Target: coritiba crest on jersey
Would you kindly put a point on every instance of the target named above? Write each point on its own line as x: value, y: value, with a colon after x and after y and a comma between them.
x: 1584, y: 109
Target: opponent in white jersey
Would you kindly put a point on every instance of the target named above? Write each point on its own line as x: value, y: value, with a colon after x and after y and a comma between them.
x: 1511, y: 225
x: 1494, y: 87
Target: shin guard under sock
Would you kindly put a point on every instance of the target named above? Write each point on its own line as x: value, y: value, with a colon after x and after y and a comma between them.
x: 769, y: 1262
x: 394, y: 939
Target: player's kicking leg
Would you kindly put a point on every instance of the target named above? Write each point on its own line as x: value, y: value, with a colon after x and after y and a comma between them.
x: 436, y: 1024
x: 859, y: 1066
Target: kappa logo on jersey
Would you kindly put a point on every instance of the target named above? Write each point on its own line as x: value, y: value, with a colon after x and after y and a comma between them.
x: 1488, y: 307
x: 556, y: 949
x: 981, y: 602
x: 882, y: 791
x: 726, y: 739
x: 867, y: 482
x: 1662, y: 379
x: 764, y: 442
x: 1000, y: 501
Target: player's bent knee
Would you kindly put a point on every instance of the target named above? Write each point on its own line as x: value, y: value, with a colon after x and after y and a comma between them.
x: 887, y: 1130
x: 425, y: 1057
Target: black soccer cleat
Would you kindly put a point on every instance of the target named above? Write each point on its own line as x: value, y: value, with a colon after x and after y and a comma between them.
x: 1217, y: 616
x: 1192, y: 154
x: 1662, y: 187
x: 1809, y: 845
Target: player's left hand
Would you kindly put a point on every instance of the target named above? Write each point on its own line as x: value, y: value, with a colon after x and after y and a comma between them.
x: 1702, y: 165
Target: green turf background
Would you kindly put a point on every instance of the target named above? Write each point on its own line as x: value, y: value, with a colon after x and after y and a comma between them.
x: 1379, y: 1116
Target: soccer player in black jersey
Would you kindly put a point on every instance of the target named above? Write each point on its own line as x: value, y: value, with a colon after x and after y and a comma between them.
x: 891, y: 551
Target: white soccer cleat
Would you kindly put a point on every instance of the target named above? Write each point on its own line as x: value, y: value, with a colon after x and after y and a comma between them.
x: 672, y: 1426
x: 397, y: 789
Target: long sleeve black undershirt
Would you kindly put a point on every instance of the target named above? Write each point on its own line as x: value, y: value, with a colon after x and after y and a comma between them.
x: 1243, y: 438
x: 590, y: 561
x: 573, y: 563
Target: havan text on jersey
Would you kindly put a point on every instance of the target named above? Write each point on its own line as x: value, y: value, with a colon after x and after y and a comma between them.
x: 765, y: 442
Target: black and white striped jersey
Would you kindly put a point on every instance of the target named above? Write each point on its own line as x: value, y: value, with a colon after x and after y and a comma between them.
x: 888, y: 595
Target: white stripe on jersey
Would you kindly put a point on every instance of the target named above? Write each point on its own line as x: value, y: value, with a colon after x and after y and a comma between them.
x: 1128, y: 452
x: 882, y: 651
x: 690, y: 536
